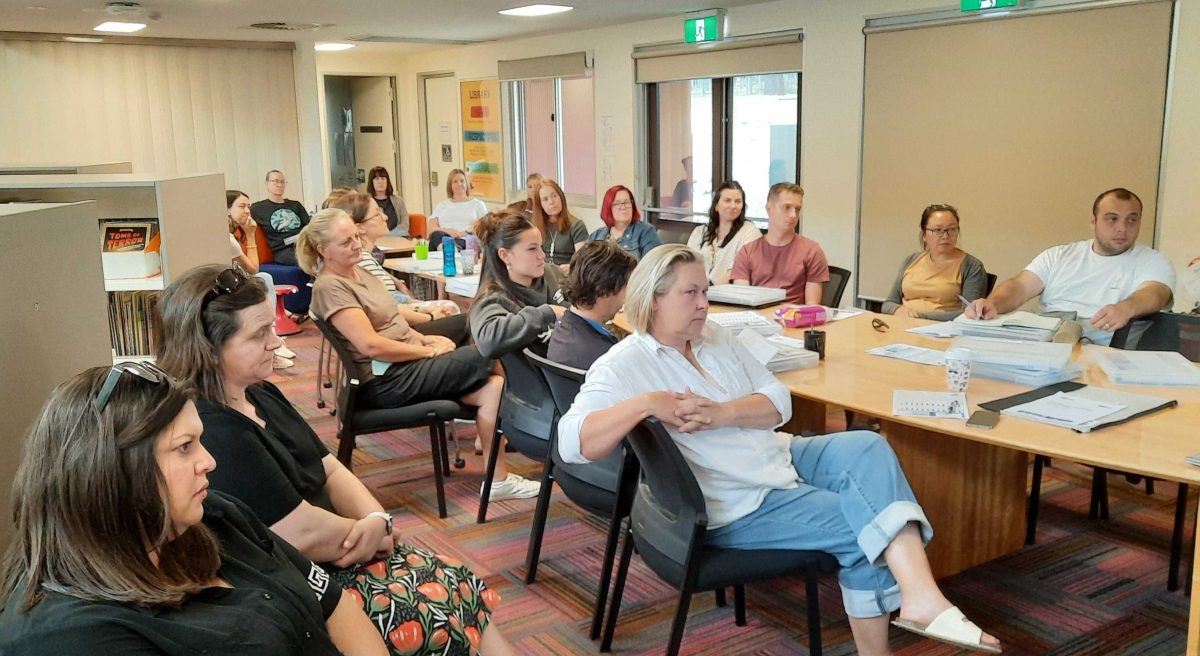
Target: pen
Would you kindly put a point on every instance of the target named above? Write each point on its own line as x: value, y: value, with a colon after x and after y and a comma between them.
x: 965, y: 302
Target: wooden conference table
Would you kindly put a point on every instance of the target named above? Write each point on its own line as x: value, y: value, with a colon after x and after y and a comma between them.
x: 396, y: 245
x: 972, y: 482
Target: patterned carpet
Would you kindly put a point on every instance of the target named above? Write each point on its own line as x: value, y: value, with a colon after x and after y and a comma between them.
x: 1087, y: 587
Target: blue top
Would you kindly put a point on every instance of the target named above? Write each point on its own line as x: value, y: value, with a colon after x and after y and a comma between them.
x: 638, y: 239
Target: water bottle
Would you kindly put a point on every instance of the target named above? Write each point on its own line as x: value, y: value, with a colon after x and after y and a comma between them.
x: 448, y: 266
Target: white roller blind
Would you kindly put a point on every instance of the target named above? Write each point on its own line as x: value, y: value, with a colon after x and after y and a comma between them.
x: 744, y: 56
x: 165, y: 109
x: 1019, y: 122
x: 571, y: 64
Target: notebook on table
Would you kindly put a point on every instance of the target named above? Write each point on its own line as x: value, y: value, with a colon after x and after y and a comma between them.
x: 747, y: 295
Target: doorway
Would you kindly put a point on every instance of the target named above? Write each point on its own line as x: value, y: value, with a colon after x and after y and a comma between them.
x: 441, y: 145
x: 360, y: 128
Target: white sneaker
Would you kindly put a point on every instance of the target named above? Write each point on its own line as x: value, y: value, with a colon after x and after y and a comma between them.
x: 284, y: 350
x: 282, y: 362
x: 513, y: 487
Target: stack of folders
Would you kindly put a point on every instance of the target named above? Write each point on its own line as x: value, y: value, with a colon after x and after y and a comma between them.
x: 747, y: 295
x: 1148, y: 368
x: 778, y: 353
x: 1025, y: 326
x: 1027, y: 363
x: 736, y: 322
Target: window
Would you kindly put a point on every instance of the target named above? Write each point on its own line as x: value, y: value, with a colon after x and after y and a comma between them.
x: 707, y: 130
x: 552, y: 128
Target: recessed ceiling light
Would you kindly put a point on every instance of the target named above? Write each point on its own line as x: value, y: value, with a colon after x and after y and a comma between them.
x: 83, y: 39
x: 118, y: 26
x: 333, y: 47
x: 536, y: 10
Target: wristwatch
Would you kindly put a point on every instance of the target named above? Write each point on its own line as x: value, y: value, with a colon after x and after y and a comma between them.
x: 387, y: 519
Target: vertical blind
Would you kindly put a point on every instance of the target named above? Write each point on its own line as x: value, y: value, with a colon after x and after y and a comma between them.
x: 165, y: 109
x: 1019, y: 122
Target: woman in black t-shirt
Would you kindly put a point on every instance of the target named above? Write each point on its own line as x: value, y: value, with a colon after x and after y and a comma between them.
x: 216, y: 330
x: 121, y: 549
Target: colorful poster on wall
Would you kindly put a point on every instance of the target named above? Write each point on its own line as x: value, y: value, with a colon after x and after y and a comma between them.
x: 482, y: 152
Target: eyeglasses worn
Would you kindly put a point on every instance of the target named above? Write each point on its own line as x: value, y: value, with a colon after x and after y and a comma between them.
x: 880, y: 326
x: 147, y: 371
x: 942, y: 232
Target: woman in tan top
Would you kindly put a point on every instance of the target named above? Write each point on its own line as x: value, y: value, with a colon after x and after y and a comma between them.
x: 398, y: 365
x: 931, y: 281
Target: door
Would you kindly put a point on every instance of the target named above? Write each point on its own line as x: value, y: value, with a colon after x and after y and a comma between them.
x: 339, y: 130
x: 442, y: 144
x: 374, y: 127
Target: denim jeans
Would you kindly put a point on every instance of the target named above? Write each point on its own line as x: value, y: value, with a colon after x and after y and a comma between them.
x: 851, y: 502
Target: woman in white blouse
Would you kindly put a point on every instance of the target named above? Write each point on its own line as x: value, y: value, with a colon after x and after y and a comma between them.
x: 843, y: 493
x: 455, y: 215
x: 726, y: 232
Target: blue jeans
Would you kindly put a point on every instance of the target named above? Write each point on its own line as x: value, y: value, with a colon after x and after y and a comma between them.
x: 852, y: 501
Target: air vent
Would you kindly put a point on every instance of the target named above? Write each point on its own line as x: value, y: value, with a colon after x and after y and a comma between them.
x: 289, y: 27
x: 380, y: 38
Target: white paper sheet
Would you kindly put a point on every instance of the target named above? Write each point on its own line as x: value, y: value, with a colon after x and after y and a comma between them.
x: 942, y: 329
x: 1067, y: 410
x: 916, y: 403
x: 759, y: 347
x: 917, y: 354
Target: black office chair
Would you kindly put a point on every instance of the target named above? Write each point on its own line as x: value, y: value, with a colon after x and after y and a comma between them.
x: 668, y: 522
x: 355, y: 420
x: 991, y: 284
x: 593, y: 487
x: 838, y: 279
x: 526, y: 415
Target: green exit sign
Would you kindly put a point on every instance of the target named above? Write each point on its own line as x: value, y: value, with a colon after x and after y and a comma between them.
x: 976, y: 5
x: 706, y: 28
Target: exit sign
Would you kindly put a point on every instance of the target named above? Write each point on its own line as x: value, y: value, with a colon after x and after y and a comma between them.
x: 706, y: 28
x: 976, y: 5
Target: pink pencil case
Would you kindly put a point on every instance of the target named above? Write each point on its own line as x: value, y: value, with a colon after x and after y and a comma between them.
x: 801, y: 316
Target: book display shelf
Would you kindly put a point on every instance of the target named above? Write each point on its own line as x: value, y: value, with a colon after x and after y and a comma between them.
x: 189, y: 211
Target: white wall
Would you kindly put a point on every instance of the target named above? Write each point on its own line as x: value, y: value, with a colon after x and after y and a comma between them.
x: 832, y: 85
x: 165, y: 109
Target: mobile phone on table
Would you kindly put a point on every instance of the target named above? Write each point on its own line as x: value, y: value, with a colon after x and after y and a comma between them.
x: 983, y: 419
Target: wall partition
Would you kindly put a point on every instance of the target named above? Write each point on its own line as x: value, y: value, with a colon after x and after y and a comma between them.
x: 1017, y: 120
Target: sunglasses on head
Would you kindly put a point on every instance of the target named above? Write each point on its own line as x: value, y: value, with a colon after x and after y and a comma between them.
x: 147, y: 371
x: 227, y: 281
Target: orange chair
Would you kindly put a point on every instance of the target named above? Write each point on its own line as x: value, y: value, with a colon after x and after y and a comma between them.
x: 416, y: 225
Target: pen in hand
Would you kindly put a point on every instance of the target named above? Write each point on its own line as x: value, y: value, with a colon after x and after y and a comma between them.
x: 967, y: 304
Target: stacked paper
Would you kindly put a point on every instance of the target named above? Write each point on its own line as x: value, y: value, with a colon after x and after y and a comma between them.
x: 746, y: 320
x: 463, y: 285
x: 746, y: 295
x: 1025, y: 326
x: 778, y: 353
x: 1028, y: 363
x: 1148, y: 368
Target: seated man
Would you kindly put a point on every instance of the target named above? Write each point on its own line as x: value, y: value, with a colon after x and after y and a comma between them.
x: 783, y: 257
x: 280, y: 219
x: 1108, y: 280
x: 596, y: 289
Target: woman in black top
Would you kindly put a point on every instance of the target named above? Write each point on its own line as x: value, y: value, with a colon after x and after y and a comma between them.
x: 121, y: 549
x: 379, y: 185
x: 216, y: 331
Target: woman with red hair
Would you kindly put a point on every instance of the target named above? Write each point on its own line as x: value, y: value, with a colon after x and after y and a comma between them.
x: 623, y: 225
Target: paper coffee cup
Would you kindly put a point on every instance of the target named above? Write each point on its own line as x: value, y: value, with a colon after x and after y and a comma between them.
x: 958, y: 369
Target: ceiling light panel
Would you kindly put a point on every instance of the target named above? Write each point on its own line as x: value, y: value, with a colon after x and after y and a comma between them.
x: 333, y: 47
x: 536, y: 10
x: 118, y: 26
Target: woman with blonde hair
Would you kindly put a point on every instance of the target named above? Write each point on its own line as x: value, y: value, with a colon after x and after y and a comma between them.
x: 843, y: 493
x: 455, y: 215
x: 561, y: 232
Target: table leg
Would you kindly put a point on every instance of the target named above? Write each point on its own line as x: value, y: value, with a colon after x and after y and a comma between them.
x: 972, y: 493
x: 1193, y: 636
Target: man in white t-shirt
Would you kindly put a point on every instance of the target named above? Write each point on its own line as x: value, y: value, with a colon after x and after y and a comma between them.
x: 1107, y: 280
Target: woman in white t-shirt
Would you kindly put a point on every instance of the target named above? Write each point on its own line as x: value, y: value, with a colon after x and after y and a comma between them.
x: 726, y: 232
x: 455, y: 215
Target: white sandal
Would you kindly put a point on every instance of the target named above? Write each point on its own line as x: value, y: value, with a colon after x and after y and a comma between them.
x: 953, y: 627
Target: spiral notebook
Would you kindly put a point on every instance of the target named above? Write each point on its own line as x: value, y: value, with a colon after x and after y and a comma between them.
x: 919, y: 403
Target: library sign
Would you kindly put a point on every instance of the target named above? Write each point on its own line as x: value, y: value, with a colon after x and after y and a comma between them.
x: 482, y: 153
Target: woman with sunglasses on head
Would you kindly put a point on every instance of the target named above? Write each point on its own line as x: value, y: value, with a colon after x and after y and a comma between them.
x: 931, y: 280
x: 623, y: 225
x: 727, y: 231
x: 120, y: 548
x: 216, y: 331
x: 379, y: 186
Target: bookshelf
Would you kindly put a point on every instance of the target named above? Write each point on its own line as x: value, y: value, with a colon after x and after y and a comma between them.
x: 54, y: 294
x: 189, y: 210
